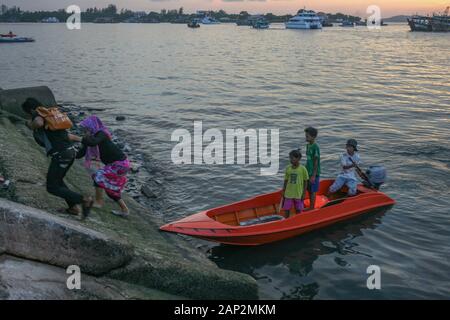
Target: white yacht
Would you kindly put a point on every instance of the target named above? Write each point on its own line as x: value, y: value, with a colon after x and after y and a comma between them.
x: 305, y: 19
x: 209, y: 20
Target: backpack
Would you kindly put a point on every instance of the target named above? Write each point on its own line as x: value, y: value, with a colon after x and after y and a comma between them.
x: 54, y: 119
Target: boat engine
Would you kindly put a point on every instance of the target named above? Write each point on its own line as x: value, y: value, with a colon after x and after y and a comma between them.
x: 377, y: 176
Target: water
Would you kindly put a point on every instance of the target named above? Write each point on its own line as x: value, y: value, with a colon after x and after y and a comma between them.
x: 389, y: 89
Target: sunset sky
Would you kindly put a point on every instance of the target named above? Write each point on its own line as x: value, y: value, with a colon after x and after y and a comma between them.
x: 357, y: 7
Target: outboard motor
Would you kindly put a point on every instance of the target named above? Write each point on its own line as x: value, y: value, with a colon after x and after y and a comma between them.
x: 377, y: 176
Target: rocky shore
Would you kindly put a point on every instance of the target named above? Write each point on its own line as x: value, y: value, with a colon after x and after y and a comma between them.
x: 119, y: 258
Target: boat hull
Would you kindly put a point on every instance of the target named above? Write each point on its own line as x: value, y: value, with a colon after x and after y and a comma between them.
x: 306, y: 26
x: 206, y: 225
x: 15, y: 40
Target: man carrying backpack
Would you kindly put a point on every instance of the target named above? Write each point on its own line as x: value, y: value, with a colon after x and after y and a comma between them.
x: 50, y: 131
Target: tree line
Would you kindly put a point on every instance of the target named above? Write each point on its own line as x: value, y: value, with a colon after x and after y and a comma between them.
x: 112, y: 14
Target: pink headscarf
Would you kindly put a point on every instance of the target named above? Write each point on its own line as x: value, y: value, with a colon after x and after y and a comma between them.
x: 94, y: 125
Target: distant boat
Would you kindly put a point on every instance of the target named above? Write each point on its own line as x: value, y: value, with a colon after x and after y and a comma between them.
x: 261, y: 24
x: 441, y: 23
x: 209, y: 20
x: 420, y: 23
x: 10, y: 37
x: 193, y: 24
x: 250, y: 20
x: 305, y: 19
x: 15, y: 39
x: 436, y: 23
x: 347, y: 24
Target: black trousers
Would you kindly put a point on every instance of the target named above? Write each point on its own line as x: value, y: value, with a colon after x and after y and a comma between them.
x: 59, y: 166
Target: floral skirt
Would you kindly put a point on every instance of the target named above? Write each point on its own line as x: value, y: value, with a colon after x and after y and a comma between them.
x: 112, y: 178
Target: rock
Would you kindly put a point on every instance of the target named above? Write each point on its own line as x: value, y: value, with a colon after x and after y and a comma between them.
x: 120, y: 118
x: 91, y: 109
x: 36, y: 235
x: 148, y: 192
x: 135, y: 168
x: 127, y: 148
x: 11, y: 100
x: 24, y: 279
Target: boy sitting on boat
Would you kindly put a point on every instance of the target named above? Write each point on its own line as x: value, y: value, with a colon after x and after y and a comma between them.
x: 349, y: 161
x: 295, y: 183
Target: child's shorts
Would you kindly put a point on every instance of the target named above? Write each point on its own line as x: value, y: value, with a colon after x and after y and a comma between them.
x: 288, y: 203
x: 314, y: 187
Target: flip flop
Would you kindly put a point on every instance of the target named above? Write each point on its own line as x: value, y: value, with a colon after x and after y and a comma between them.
x: 120, y: 214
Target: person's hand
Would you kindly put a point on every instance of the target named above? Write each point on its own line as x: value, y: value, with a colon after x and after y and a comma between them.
x: 312, y: 179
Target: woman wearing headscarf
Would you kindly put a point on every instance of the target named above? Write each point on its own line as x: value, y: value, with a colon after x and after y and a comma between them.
x: 98, y: 145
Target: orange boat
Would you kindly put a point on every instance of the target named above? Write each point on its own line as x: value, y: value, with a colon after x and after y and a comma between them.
x: 257, y: 220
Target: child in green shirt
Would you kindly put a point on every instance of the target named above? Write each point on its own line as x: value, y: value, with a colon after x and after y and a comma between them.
x: 312, y: 164
x: 295, y: 182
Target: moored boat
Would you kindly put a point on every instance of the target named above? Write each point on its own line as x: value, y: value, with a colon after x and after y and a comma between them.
x: 441, y: 23
x: 420, y: 23
x: 193, y: 24
x: 261, y: 24
x: 305, y: 19
x: 347, y: 24
x: 209, y: 20
x: 435, y: 23
x: 257, y: 220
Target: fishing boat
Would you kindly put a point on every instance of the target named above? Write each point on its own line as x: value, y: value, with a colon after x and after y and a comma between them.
x: 420, y: 23
x: 305, y: 19
x: 435, y: 23
x: 441, y: 22
x: 258, y: 220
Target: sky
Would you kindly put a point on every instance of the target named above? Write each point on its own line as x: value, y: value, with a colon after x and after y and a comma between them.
x: 354, y: 7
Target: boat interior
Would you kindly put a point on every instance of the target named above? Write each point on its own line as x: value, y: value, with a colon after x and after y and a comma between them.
x: 266, y: 208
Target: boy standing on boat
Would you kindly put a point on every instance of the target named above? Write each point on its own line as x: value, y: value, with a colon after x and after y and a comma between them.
x: 312, y: 164
x: 295, y: 182
x: 349, y: 161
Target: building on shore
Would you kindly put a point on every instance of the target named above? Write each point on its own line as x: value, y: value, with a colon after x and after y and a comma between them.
x: 50, y: 20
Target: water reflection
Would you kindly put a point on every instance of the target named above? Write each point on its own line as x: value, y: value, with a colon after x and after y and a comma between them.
x: 297, y: 256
